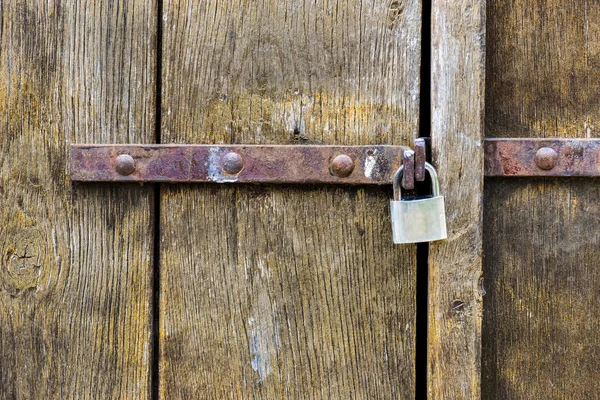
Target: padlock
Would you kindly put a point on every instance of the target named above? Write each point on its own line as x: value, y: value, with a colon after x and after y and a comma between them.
x: 421, y: 219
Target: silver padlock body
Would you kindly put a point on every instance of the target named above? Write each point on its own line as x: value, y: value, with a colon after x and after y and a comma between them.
x: 420, y: 220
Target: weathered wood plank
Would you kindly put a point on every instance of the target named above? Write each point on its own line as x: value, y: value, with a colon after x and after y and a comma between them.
x: 293, y: 292
x: 284, y: 293
x: 541, y: 273
x: 455, y: 297
x: 541, y: 237
x: 543, y: 62
x: 75, y: 273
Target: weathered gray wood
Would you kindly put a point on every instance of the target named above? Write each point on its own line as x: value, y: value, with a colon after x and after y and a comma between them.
x: 287, y: 292
x: 455, y: 297
x: 541, y: 235
x: 75, y: 272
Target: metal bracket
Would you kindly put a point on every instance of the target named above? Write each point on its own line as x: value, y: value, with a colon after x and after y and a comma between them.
x: 414, y: 164
x: 420, y: 159
x: 408, y: 177
x: 542, y: 157
x: 293, y: 164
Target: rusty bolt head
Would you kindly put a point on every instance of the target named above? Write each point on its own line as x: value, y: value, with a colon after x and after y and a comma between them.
x: 342, y: 166
x: 232, y: 163
x: 546, y: 158
x: 125, y: 164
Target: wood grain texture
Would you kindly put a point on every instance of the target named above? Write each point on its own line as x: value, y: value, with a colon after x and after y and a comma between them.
x: 287, y: 292
x: 75, y: 272
x: 542, y: 280
x: 455, y: 296
x: 324, y: 72
x: 284, y: 294
x: 541, y: 251
x: 543, y: 63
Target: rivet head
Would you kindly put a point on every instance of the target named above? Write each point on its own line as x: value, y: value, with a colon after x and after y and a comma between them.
x: 546, y: 158
x: 232, y: 163
x: 125, y: 164
x: 342, y: 166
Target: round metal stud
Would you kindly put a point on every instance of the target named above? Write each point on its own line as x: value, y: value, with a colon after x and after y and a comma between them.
x: 342, y: 166
x: 125, y: 164
x: 232, y: 163
x: 546, y: 158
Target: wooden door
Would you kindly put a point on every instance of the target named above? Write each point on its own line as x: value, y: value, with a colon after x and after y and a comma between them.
x: 217, y: 291
x: 541, y: 314
x: 251, y: 291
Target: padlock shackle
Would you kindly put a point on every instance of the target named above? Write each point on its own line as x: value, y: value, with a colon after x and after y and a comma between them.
x: 435, y: 183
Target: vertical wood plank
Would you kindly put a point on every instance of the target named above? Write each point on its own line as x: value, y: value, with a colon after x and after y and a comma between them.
x: 541, y: 312
x: 543, y: 62
x: 75, y: 267
x: 287, y: 292
x: 541, y: 238
x: 455, y: 296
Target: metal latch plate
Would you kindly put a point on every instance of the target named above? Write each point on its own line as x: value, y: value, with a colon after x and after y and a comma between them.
x: 290, y: 164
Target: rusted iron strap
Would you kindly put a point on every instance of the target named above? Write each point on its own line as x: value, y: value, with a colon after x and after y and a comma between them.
x: 420, y: 159
x: 408, y: 175
x: 542, y: 157
x: 294, y: 164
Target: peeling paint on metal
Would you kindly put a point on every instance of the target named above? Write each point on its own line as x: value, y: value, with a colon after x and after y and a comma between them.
x: 215, y: 170
x: 370, y: 164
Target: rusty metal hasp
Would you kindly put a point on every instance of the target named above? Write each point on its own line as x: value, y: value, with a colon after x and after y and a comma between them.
x: 293, y: 164
x: 542, y: 157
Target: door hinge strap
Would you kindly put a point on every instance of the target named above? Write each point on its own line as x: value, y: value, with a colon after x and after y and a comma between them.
x: 542, y: 157
x: 292, y: 164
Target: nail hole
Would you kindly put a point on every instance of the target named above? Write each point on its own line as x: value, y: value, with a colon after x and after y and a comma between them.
x: 458, y: 305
